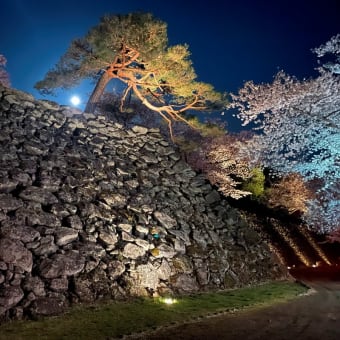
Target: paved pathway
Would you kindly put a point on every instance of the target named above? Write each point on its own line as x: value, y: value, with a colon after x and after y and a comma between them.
x: 311, y: 317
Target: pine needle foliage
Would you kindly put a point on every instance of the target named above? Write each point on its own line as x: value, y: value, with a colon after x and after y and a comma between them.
x: 133, y: 48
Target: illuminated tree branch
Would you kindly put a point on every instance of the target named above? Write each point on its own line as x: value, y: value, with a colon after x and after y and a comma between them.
x: 133, y: 48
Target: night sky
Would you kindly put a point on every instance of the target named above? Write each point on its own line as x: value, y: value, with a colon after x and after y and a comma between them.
x: 230, y: 41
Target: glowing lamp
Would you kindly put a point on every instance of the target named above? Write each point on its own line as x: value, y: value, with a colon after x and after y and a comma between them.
x: 168, y: 300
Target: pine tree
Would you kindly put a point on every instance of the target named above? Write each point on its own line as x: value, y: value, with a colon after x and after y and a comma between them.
x: 134, y: 49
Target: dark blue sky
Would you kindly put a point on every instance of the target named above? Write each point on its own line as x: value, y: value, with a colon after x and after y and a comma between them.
x: 230, y: 41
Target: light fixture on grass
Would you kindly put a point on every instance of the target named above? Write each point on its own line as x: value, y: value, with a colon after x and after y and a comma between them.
x: 168, y: 300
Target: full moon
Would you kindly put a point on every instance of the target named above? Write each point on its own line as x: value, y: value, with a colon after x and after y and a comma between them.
x: 75, y: 100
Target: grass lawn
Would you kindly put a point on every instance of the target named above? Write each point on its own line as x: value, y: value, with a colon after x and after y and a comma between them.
x: 114, y: 319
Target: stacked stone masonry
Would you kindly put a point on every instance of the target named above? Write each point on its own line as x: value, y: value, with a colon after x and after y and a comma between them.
x: 89, y: 210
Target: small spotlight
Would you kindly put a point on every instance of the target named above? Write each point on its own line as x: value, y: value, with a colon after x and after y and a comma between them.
x: 168, y: 300
x: 314, y: 265
x: 289, y: 267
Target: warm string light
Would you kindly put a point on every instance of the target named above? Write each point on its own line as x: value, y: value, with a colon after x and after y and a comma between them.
x: 315, y: 246
x: 287, y: 237
x: 278, y: 253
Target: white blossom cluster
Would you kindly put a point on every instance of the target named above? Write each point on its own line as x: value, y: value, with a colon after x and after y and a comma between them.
x: 331, y: 47
x: 299, y: 131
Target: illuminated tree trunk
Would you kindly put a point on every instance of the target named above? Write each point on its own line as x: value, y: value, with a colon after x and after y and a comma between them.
x: 97, y: 92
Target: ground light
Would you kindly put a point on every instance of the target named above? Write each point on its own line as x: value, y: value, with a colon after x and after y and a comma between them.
x: 168, y: 300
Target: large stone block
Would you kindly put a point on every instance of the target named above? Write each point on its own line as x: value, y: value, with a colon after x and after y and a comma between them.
x: 13, y: 252
x: 68, y: 264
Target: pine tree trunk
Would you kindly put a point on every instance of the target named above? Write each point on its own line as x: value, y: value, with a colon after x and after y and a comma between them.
x: 97, y: 93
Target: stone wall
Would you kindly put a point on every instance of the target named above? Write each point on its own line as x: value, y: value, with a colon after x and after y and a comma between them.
x: 89, y: 210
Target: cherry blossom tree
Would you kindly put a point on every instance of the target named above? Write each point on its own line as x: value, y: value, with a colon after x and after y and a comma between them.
x: 298, y: 121
x: 291, y: 193
x: 223, y: 163
x: 332, y: 47
x: 4, y: 76
x: 298, y: 125
x: 324, y: 210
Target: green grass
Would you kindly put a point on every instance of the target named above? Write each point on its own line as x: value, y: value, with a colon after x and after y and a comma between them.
x: 117, y: 318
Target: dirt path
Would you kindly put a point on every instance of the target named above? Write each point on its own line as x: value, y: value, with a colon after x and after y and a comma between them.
x: 312, y: 317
